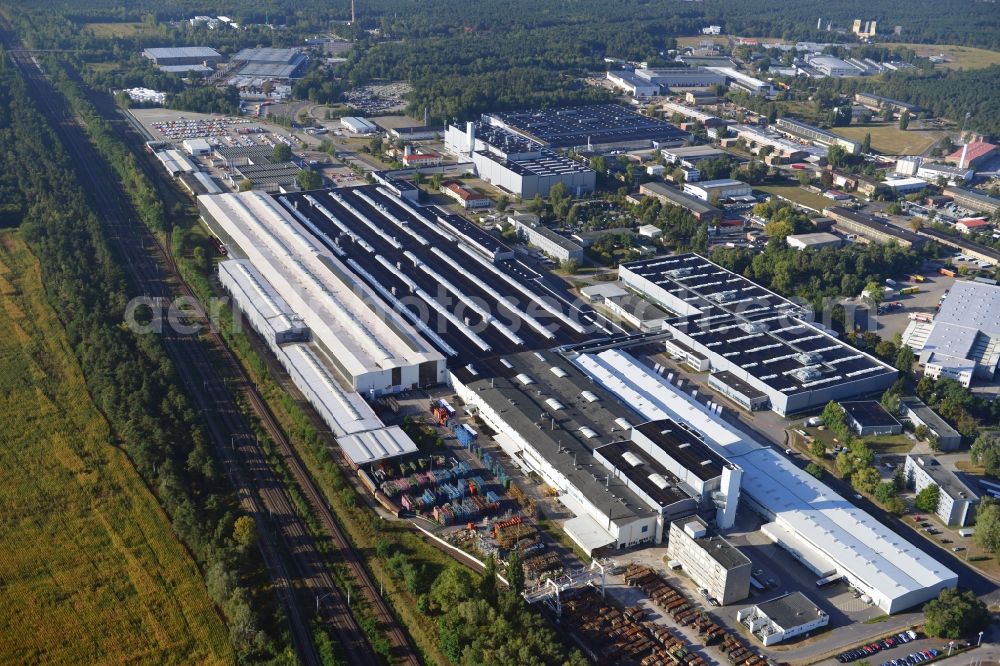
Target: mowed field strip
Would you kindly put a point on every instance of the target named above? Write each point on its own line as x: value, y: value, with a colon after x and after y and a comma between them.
x: 91, y: 571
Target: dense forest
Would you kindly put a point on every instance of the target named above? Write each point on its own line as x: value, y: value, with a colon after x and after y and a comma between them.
x: 130, y: 377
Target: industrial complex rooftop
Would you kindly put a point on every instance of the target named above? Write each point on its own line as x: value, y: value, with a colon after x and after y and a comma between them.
x: 595, y: 124
x: 762, y: 334
x: 726, y: 554
x: 826, y: 532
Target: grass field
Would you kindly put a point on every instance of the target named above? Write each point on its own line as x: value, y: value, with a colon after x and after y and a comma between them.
x: 793, y: 192
x: 90, y: 569
x: 109, y: 30
x: 959, y: 57
x: 890, y: 140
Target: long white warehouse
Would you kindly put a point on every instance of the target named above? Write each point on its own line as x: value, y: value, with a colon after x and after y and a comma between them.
x: 374, y: 349
x: 822, y: 530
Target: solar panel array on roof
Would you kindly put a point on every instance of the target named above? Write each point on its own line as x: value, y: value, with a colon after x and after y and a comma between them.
x: 564, y: 127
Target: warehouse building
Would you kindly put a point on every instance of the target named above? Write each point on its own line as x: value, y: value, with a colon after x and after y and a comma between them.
x: 709, y: 560
x: 718, y: 190
x: 745, y: 82
x: 830, y: 65
x: 554, y: 244
x: 973, y: 200
x: 638, y: 312
x: 183, y: 56
x: 517, y: 164
x: 877, y: 103
x: 760, y: 137
x: 963, y: 340
x: 902, y: 186
x: 174, y: 162
x: 373, y: 348
x: 754, y: 334
x: 691, y: 113
x: 550, y: 421
x: 855, y: 223
x: 649, y: 82
x: 868, y: 418
x: 785, y: 617
x: 702, y: 210
x: 271, y: 63
x: 689, y: 156
x: 825, y: 532
x: 600, y: 126
x: 956, y: 502
x: 235, y: 156
x: 973, y: 154
x: 814, y: 241
x: 271, y: 177
x: 627, y: 80
x: 822, y: 137
x: 357, y: 125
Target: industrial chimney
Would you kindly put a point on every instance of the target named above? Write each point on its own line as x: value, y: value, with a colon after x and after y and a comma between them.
x: 470, y: 132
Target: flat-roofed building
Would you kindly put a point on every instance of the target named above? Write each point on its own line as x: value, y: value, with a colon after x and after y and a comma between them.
x: 833, y: 66
x: 373, y: 347
x: 358, y: 125
x: 689, y: 156
x: 754, y: 334
x: 638, y: 312
x: 743, y: 81
x: 916, y: 412
x: 814, y: 241
x: 963, y: 340
x: 718, y: 190
x: 681, y: 78
x: 712, y: 562
x: 822, y: 530
x: 809, y: 132
x: 555, y: 245
x: 973, y: 200
x: 877, y: 102
x: 701, y: 210
x: 785, y: 617
x: 956, y: 502
x: 868, y: 418
x: 182, y: 56
x: 871, y: 228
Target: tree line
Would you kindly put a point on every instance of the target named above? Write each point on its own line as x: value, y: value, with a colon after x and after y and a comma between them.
x: 130, y: 377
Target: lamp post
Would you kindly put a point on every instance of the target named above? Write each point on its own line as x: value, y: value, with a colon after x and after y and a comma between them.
x: 980, y: 642
x: 951, y: 644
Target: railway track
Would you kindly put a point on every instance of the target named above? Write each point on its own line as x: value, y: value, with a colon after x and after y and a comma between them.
x: 258, y: 488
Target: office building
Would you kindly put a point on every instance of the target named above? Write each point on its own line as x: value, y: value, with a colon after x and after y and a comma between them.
x: 469, y: 198
x: 709, y: 560
x: 827, y: 534
x: 555, y: 245
x: 785, y: 617
x: 868, y: 418
x: 718, y: 190
x: 822, y: 137
x: 956, y: 503
x: 853, y: 223
x: 701, y: 210
x: 754, y: 334
x: 916, y: 412
x: 963, y: 340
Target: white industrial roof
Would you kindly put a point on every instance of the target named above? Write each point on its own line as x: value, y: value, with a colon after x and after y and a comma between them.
x: 853, y: 540
x: 268, y: 303
x: 346, y: 412
x: 175, y: 162
x: 342, y: 312
x: 965, y: 330
x: 374, y: 445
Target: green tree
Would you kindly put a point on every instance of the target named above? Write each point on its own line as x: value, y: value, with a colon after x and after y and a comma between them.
x: 866, y: 144
x: 515, y: 573
x: 537, y: 204
x: 904, y: 119
x: 418, y: 178
x: 245, y: 185
x: 885, y: 492
x: 815, y: 470
x: 488, y: 584
x: 282, y: 152
x: 453, y: 585
x: 502, y: 202
x: 891, y: 402
x: 985, y: 452
x: 436, y: 181
x: 308, y: 179
x: 845, y: 465
x: 866, y: 479
x: 874, y: 292
x: 245, y: 533
x: 599, y: 164
x: 927, y: 499
x: 573, y: 215
x: 817, y: 449
x: 955, y: 614
x: 833, y: 415
x: 905, y: 359
x: 987, y: 534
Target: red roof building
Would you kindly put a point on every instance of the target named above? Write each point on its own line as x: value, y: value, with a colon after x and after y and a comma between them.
x: 972, y: 154
x: 970, y: 224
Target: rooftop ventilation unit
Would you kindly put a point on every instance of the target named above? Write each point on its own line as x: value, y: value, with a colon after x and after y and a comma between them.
x: 559, y: 372
x: 679, y: 272
x: 660, y: 482
x: 753, y: 327
x: 806, y: 374
x: 554, y: 404
x: 632, y: 459
x: 525, y: 379
x: 808, y: 358
x: 589, y: 396
x: 723, y: 296
x: 587, y: 432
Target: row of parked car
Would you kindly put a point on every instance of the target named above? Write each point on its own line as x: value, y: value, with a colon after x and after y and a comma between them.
x: 914, y: 658
x: 878, y: 646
